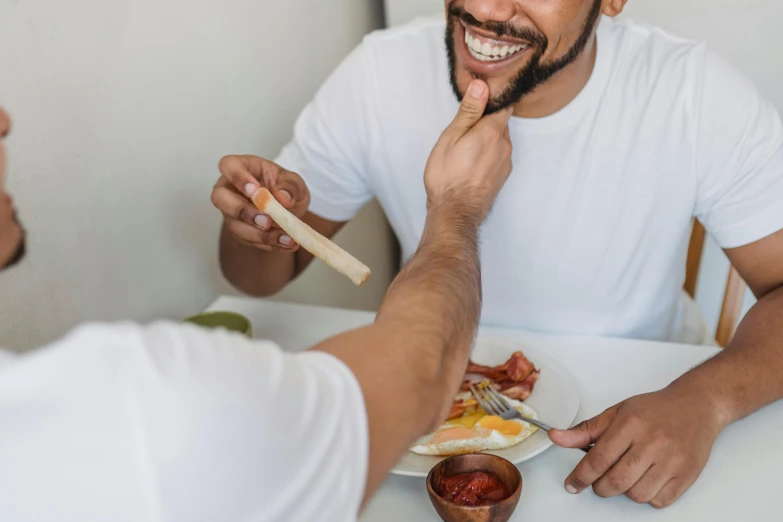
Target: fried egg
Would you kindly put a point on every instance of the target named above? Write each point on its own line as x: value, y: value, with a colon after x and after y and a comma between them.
x: 476, y: 431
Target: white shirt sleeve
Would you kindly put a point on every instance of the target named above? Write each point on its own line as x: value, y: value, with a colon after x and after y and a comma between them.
x: 331, y: 140
x: 173, y: 423
x: 739, y: 159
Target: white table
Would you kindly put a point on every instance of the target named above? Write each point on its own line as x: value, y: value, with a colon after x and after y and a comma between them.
x: 739, y: 483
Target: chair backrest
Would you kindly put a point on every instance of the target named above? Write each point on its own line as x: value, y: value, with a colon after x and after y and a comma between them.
x: 733, y: 295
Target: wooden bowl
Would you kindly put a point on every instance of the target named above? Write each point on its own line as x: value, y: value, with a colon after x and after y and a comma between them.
x: 505, y: 471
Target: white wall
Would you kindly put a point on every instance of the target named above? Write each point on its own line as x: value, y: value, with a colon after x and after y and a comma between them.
x: 122, y: 109
x: 745, y: 33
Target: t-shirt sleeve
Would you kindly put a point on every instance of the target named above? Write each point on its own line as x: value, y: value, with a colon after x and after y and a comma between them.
x: 171, y: 422
x: 331, y: 140
x: 239, y: 430
x: 739, y: 159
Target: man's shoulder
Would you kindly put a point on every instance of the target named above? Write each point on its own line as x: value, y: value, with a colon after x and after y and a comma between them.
x: 644, y: 47
x: 664, y: 63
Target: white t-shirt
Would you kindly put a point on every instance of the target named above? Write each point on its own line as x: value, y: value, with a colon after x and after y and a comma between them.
x: 590, y: 234
x: 173, y: 424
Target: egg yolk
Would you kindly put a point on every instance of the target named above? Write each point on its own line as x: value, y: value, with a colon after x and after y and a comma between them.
x: 469, y: 420
x: 493, y: 422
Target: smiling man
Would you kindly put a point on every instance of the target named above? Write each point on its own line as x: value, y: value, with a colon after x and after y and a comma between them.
x: 622, y: 134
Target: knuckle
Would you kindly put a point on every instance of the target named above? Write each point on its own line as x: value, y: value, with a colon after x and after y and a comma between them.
x: 635, y: 422
x: 508, y: 149
x: 215, y: 197
x: 633, y: 461
x: 639, y: 495
x: 471, y: 108
x: 602, y: 491
x: 226, y: 162
x: 619, y: 482
x: 663, y: 500
x: 240, y: 212
x: 577, y: 482
x: 598, y: 461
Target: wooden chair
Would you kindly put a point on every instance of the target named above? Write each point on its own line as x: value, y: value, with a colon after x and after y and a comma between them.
x: 735, y: 287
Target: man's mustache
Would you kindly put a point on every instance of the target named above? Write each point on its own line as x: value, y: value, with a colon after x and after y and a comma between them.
x: 501, y: 29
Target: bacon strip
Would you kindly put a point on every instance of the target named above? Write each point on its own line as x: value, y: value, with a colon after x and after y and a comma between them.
x: 515, y: 378
x: 520, y: 390
x: 459, y: 407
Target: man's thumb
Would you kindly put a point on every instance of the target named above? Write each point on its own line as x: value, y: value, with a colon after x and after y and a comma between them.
x: 472, y: 108
x: 584, y: 433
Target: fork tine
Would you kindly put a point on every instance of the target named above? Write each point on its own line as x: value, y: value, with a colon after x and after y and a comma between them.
x: 503, y: 405
x: 482, y: 400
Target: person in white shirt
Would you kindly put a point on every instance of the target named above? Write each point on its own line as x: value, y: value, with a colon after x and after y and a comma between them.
x: 622, y: 134
x: 174, y: 423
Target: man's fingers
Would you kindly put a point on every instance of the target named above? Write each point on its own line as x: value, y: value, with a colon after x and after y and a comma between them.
x: 596, y: 463
x: 651, y: 483
x: 501, y: 117
x: 611, y: 443
x: 235, y: 170
x: 254, y: 236
x: 625, y: 474
x: 672, y: 491
x: 235, y: 206
x: 247, y: 174
x: 291, y: 192
x: 584, y: 433
x: 471, y: 109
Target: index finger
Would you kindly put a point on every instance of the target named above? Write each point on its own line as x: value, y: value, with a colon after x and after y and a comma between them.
x: 608, y: 450
x: 249, y: 173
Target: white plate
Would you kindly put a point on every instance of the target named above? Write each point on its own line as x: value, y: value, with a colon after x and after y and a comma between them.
x: 555, y: 398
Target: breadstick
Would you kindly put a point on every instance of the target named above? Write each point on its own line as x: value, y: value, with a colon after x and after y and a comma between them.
x: 311, y: 240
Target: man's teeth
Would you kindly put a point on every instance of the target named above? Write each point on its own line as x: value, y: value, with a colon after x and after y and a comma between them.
x: 488, y: 53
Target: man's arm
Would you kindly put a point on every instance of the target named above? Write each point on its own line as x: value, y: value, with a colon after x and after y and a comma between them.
x: 260, y: 272
x: 746, y: 375
x: 653, y: 447
x: 256, y: 256
x: 410, y: 362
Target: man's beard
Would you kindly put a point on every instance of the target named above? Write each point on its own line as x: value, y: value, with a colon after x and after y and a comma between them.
x: 534, y: 73
x: 21, y: 248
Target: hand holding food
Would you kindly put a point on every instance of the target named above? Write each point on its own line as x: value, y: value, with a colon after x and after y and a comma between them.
x: 243, y: 176
x: 311, y: 240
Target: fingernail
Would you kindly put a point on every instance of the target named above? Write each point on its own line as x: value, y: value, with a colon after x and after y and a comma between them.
x: 262, y: 221
x: 476, y: 89
x: 250, y: 189
x: 287, y: 194
x: 571, y: 489
x: 286, y: 240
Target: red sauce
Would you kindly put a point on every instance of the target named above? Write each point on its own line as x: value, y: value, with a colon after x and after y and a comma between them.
x: 473, y: 489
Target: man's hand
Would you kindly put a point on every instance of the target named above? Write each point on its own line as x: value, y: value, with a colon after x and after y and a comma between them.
x: 241, y: 177
x: 472, y: 156
x: 651, y: 447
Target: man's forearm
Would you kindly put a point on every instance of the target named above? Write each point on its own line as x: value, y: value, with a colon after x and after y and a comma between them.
x: 254, y: 271
x: 438, y: 294
x: 746, y: 376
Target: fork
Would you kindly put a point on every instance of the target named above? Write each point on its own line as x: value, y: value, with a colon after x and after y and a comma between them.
x: 495, y: 404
